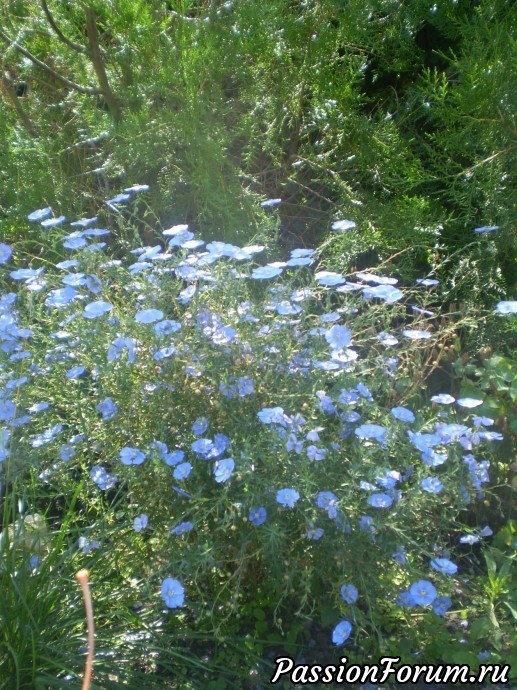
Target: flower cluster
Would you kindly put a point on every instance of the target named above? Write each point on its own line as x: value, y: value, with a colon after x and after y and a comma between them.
x: 248, y: 407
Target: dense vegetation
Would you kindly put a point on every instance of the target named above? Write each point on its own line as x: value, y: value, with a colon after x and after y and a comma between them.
x: 346, y: 400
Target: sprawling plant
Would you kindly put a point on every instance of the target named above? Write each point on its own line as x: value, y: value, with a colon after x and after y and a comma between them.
x: 239, y: 447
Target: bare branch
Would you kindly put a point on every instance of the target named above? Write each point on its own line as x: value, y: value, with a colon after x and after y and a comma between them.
x: 9, y: 92
x: 72, y: 85
x: 59, y: 33
x: 98, y: 64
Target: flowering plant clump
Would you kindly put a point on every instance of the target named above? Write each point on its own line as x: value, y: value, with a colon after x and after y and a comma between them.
x: 256, y: 427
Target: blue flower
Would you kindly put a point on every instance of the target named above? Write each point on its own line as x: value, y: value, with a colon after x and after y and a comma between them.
x: 103, y: 480
x: 84, y: 223
x: 329, y: 278
x: 173, y: 593
x: 441, y: 605
x: 66, y: 452
x: 86, y: 545
x: 293, y: 444
x: 399, y: 555
x: 367, y: 431
x: 245, y: 386
x: 315, y: 453
x: 338, y: 337
x: 444, y: 565
x: 119, y: 199
x: 469, y: 539
x: 187, y: 294
x: 507, y: 307
x: 166, y: 327
x: 486, y: 228
x: 349, y: 593
x: 53, y: 222
x: 469, y: 402
x: 416, y: 335
x: 220, y: 444
x: 7, y: 410
x: 443, y: 399
x: 272, y: 415
x: 380, y: 501
x: 39, y: 215
x: 74, y: 241
x: 202, y: 447
x: 423, y: 592
x: 182, y: 471
x: 119, y: 344
x: 257, y: 516
x: 342, y: 225
x: 482, y: 421
x: 26, y: 273
x: 379, y: 280
x: 182, y: 528
x: 75, y: 372
x: 432, y: 458
x: 341, y: 632
x: 427, y: 282
x: 96, y: 309
x: 148, y: 315
x: 403, y: 414
x: 388, y: 478
x: 174, y: 457
x: 131, y: 456
x: 387, y: 339
x: 287, y: 497
x: 60, y: 297
x: 366, y: 524
x: 140, y: 522
x: 108, y: 409
x: 388, y: 293
x: 300, y: 261
x: 432, y: 485
x: 137, y: 188
x: 314, y: 533
x: 5, y: 253
x: 266, y: 272
x: 164, y: 353
x: 46, y: 436
x: 328, y: 501
x: 200, y: 426
x: 223, y: 470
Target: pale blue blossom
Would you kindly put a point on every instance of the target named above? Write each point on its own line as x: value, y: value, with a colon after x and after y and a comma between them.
x: 507, y: 307
x: 432, y: 485
x: 342, y: 225
x: 287, y: 497
x: 266, y: 272
x: 140, y: 522
x: 341, y: 632
x: 148, y: 316
x: 223, y: 469
x: 173, y: 593
x: 131, y: 456
x: 96, y: 309
x: 349, y: 593
x: 444, y: 566
x: 423, y: 592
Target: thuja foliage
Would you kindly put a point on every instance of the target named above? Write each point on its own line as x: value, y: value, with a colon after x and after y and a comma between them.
x: 241, y: 451
x: 402, y: 114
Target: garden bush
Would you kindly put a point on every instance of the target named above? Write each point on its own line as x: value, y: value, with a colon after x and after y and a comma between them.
x: 242, y: 452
